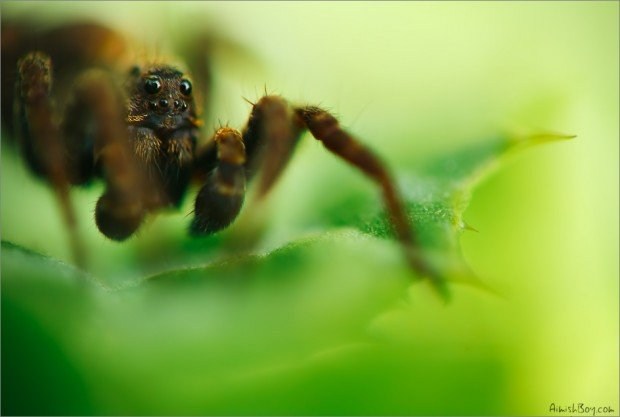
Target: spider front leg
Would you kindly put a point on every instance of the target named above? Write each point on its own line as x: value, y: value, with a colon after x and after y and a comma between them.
x: 98, y: 142
x: 270, y: 136
x: 274, y: 129
x: 220, y: 199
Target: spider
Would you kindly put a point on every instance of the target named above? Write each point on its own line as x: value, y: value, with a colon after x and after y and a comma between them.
x: 138, y: 130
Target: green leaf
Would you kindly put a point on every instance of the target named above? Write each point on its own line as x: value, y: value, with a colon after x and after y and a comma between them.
x: 254, y: 333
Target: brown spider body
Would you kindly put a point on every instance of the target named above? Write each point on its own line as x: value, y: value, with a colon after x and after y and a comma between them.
x: 163, y: 129
x: 141, y: 135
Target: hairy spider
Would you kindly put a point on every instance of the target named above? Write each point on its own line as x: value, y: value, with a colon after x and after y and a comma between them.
x: 138, y: 131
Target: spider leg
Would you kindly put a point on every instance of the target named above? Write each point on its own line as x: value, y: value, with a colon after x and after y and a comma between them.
x: 98, y: 141
x: 39, y: 136
x: 325, y: 128
x: 270, y: 137
x: 220, y: 199
x: 71, y: 47
x: 274, y: 129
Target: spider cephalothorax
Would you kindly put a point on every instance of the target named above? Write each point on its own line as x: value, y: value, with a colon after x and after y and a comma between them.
x: 163, y: 128
x: 142, y: 138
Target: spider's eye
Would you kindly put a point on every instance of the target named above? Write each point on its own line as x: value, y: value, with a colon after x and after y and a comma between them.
x: 186, y: 87
x: 152, y: 85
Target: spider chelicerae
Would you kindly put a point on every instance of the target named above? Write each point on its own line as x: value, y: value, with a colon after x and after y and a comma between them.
x: 138, y: 130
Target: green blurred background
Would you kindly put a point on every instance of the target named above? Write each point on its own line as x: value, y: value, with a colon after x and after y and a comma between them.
x: 411, y: 79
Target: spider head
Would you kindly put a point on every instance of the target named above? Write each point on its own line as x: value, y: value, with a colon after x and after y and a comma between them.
x: 161, y: 98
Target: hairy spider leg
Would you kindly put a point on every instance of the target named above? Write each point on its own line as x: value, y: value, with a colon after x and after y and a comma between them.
x: 325, y: 128
x: 39, y: 136
x: 220, y: 199
x: 120, y: 210
x: 270, y: 137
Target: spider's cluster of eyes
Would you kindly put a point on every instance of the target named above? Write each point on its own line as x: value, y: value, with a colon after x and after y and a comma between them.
x: 153, y: 85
